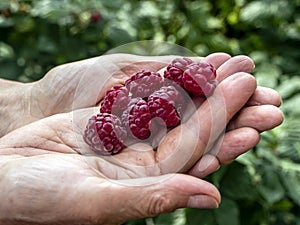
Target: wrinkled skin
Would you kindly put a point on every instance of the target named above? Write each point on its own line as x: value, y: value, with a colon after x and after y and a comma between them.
x: 48, y: 175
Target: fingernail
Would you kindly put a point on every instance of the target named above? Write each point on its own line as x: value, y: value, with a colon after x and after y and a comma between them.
x: 202, y: 202
x: 254, y: 103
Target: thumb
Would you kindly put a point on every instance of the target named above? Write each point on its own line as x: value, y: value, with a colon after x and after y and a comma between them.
x: 148, y: 197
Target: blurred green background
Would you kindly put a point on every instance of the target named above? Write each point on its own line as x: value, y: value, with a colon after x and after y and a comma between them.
x: 263, y: 186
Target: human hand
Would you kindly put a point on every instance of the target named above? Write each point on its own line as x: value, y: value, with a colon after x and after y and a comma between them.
x: 77, y: 76
x: 56, y: 135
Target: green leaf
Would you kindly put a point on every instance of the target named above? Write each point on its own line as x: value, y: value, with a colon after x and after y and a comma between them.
x: 289, y: 86
x: 6, y: 51
x: 175, y: 218
x: 9, y: 69
x: 218, y: 175
x: 283, y: 205
x: 267, y: 75
x: 24, y: 24
x: 247, y: 159
x: 136, y: 222
x: 254, y: 11
x: 270, y: 187
x: 291, y: 180
x: 200, y: 216
x: 237, y: 183
x: 227, y: 213
x: 290, y: 104
x: 6, y: 22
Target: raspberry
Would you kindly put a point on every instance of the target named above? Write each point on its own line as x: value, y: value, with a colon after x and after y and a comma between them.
x: 199, y: 79
x: 143, y: 83
x: 95, y: 17
x: 137, y: 118
x: 175, y: 70
x: 163, y: 103
x: 105, y: 134
x: 115, y: 100
x: 146, y: 103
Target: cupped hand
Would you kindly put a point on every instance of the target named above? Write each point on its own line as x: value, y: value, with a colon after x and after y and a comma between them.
x: 215, y: 130
x: 183, y: 146
x: 54, y: 147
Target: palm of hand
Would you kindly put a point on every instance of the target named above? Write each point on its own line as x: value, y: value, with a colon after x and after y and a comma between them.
x: 56, y: 188
x: 57, y: 180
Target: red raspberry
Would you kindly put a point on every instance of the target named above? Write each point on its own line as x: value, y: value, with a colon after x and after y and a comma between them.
x: 143, y: 83
x: 164, y: 103
x: 175, y: 70
x: 199, y: 79
x: 104, y: 134
x: 95, y: 16
x: 137, y: 118
x: 115, y: 100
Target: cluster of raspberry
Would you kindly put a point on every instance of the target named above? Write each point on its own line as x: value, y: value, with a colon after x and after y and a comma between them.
x: 147, y: 102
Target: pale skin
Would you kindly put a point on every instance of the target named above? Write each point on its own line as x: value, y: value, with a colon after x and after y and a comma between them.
x: 48, y: 175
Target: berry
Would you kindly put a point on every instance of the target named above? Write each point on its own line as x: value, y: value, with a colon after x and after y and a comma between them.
x: 115, y: 100
x: 95, y: 17
x: 143, y: 83
x: 105, y: 134
x: 175, y: 70
x: 147, y: 103
x: 199, y: 79
x: 163, y: 104
x: 137, y: 118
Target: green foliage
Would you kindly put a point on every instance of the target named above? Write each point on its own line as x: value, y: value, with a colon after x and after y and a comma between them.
x: 261, y: 187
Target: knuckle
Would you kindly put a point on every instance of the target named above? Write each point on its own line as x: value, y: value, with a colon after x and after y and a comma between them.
x: 159, y: 203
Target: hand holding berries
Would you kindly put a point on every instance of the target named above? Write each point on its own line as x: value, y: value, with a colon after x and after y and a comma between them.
x: 145, y: 96
x: 49, y: 147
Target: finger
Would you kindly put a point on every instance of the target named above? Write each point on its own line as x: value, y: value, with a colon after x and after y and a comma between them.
x: 147, y: 197
x: 157, y: 63
x: 205, y: 166
x: 265, y: 96
x: 261, y: 118
x: 234, y: 144
x: 235, y: 64
x: 217, y: 59
x: 185, y: 144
